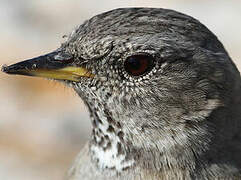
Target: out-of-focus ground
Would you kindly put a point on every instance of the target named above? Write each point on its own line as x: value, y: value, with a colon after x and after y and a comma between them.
x: 43, y: 124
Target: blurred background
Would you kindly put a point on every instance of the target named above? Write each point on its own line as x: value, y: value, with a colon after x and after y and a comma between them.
x: 43, y: 124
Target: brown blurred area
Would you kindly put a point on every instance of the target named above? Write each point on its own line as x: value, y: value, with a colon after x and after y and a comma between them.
x: 43, y: 124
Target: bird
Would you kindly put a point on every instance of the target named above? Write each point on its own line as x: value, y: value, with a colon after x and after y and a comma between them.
x: 163, y: 94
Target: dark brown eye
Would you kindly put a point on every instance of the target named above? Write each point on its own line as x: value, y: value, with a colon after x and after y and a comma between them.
x: 139, y: 64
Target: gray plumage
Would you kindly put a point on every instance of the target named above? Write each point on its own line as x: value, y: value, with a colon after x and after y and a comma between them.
x: 180, y: 120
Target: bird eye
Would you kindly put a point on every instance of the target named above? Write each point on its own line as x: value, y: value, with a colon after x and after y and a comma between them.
x: 138, y: 64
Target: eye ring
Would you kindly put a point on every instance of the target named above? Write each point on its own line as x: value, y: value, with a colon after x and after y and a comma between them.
x: 138, y: 65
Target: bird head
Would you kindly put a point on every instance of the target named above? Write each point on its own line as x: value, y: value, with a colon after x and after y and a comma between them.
x: 156, y: 78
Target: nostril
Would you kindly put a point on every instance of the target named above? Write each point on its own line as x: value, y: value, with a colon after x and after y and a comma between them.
x: 64, y: 57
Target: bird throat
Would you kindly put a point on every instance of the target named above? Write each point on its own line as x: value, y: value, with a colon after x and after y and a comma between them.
x: 108, y: 148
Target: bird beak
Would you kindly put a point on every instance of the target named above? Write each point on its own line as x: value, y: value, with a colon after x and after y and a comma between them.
x: 53, y: 65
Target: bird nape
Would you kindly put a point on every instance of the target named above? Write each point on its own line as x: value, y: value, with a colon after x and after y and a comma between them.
x: 162, y: 92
